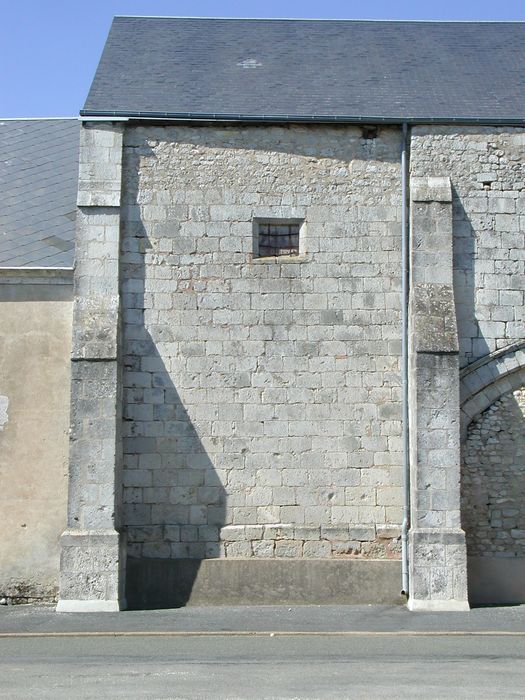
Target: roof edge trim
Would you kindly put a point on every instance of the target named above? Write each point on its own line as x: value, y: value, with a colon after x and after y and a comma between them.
x: 60, y: 276
x: 45, y: 271
x: 86, y: 115
x: 37, y: 119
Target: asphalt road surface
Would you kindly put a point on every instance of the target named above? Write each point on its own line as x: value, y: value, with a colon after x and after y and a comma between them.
x: 313, y: 665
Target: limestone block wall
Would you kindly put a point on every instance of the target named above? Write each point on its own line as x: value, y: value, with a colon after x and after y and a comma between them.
x: 261, y: 397
x: 487, y: 169
x: 493, y: 480
x: 35, y: 342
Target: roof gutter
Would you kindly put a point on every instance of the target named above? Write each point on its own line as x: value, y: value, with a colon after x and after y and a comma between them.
x: 89, y: 115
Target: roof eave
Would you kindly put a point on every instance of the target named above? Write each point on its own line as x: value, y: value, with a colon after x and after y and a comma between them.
x: 87, y: 115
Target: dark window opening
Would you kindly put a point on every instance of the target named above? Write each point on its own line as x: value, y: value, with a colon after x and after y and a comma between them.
x: 369, y: 132
x: 277, y: 238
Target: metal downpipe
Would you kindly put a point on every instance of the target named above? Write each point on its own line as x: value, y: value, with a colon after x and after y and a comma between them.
x: 404, y: 361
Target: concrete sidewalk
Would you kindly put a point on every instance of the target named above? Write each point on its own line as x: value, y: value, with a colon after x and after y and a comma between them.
x: 39, y: 620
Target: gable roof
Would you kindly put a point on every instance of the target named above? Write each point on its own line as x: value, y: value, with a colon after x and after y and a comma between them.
x: 311, y: 70
x: 38, y: 186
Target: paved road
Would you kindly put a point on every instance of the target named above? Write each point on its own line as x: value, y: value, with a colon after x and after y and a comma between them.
x: 270, y: 618
x: 358, y: 665
x: 262, y: 652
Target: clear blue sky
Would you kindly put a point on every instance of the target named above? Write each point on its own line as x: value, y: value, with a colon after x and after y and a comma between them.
x: 49, y: 49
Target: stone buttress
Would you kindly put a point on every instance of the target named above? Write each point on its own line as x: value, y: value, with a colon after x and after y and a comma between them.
x: 93, y: 551
x: 437, y: 551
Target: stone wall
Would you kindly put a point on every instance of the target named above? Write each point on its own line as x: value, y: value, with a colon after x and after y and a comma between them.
x: 262, y: 397
x: 493, y: 480
x: 35, y: 342
x: 487, y: 170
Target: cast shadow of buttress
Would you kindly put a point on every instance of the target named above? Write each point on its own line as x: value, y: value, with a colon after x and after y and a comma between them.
x: 472, y: 343
x: 173, y: 501
x: 490, y: 486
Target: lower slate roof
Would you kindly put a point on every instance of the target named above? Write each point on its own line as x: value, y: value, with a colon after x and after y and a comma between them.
x: 311, y: 70
x: 38, y: 186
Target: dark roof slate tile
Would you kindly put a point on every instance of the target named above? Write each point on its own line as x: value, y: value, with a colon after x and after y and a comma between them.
x: 38, y: 185
x: 312, y: 68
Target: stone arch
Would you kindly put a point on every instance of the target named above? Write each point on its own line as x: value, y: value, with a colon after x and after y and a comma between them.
x: 484, y: 382
x: 493, y: 476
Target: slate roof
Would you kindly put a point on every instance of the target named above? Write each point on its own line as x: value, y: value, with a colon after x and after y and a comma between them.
x: 38, y: 186
x: 312, y: 69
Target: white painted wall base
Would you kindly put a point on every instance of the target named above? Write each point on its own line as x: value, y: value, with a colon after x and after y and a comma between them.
x: 86, y: 606
x: 438, y: 605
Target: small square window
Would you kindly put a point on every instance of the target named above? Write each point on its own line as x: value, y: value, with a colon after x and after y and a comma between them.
x: 276, y: 238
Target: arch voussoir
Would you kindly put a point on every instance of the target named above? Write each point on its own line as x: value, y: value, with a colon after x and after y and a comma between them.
x: 486, y: 381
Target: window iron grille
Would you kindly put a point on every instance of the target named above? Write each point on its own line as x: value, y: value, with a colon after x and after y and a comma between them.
x: 275, y: 239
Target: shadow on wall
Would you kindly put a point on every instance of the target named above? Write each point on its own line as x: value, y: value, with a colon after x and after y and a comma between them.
x: 174, y: 502
x: 493, y: 501
x: 472, y: 343
x: 493, y: 454
x: 352, y: 144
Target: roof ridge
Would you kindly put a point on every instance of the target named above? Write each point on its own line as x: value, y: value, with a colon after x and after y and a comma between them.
x: 328, y: 19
